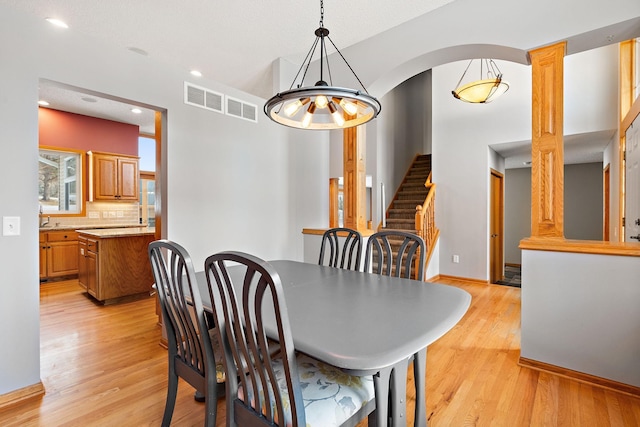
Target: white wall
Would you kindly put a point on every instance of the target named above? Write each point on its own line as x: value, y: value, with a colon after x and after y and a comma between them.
x: 402, y: 131
x: 461, y: 134
x: 230, y: 183
x: 583, y: 213
x: 580, y: 312
x: 517, y: 212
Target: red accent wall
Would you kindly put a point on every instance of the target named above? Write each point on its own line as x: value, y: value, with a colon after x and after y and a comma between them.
x: 67, y: 130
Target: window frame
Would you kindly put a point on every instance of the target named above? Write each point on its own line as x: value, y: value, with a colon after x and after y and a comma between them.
x: 82, y: 176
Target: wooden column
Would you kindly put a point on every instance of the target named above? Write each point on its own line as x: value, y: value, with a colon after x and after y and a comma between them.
x: 354, y: 178
x: 547, y: 150
x: 333, y: 202
x: 626, y: 81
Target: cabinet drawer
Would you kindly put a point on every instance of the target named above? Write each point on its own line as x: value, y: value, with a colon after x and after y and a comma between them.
x: 92, y: 245
x: 62, y: 236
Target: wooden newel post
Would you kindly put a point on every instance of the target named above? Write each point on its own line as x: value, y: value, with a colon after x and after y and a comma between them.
x: 547, y: 147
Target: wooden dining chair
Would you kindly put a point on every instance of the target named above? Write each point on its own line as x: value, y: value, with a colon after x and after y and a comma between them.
x: 290, y: 389
x: 395, y: 253
x: 189, y: 336
x: 342, y: 253
x: 398, y: 253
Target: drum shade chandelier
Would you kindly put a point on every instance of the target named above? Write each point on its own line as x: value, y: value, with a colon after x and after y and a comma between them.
x: 489, y: 87
x: 322, y: 106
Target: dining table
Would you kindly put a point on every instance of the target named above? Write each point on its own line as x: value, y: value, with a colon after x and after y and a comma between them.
x: 365, y: 324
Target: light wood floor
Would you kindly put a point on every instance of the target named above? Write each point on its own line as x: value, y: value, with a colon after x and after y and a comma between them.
x: 102, y: 366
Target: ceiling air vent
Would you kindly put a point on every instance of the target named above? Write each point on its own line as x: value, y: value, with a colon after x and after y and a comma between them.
x: 203, y: 98
x: 242, y: 110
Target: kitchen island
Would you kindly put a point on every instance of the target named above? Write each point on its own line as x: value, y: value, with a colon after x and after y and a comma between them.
x: 113, y: 264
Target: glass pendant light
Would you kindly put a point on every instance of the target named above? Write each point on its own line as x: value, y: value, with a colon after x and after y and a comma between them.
x: 489, y: 87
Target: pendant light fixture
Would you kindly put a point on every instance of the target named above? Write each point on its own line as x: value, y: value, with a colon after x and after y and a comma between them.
x: 322, y: 106
x: 489, y: 87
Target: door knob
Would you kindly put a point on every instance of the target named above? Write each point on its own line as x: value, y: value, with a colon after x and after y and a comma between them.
x: 635, y: 237
x: 494, y: 235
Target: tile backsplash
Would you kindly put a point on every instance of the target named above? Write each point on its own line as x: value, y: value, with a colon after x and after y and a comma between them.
x: 102, y: 214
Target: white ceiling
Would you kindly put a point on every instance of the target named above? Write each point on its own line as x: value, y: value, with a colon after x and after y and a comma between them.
x: 203, y: 34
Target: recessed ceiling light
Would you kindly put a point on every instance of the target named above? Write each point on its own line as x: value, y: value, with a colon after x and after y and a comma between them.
x: 527, y: 163
x: 196, y: 73
x: 88, y: 99
x: 136, y: 111
x: 43, y: 103
x: 138, y: 51
x: 57, y: 22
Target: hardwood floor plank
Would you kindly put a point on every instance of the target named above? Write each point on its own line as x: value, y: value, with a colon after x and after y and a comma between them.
x: 103, y: 366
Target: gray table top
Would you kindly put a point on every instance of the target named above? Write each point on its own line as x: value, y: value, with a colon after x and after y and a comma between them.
x: 360, y: 321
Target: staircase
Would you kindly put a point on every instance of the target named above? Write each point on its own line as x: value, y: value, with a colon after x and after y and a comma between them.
x: 412, y: 208
x: 401, y: 214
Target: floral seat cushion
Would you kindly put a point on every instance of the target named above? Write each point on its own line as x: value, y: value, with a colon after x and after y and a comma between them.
x: 330, y: 395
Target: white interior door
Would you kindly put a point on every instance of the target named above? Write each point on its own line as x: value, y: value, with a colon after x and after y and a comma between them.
x: 632, y: 193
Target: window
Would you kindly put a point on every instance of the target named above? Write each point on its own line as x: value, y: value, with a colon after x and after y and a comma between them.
x: 147, y: 153
x: 148, y: 199
x: 60, y: 182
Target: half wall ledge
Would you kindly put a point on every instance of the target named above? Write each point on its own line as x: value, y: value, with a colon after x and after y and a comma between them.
x: 595, y: 247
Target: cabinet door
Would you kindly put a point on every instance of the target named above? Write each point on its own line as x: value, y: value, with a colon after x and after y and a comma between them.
x: 62, y: 258
x: 128, y: 178
x: 82, y: 262
x: 92, y: 274
x: 43, y: 259
x: 105, y: 179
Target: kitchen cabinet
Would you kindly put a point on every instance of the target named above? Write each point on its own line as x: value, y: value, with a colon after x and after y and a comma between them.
x: 113, y: 263
x: 58, y: 251
x: 113, y: 177
x: 88, y: 264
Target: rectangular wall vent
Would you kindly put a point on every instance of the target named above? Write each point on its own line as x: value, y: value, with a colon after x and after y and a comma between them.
x: 242, y: 110
x: 203, y: 98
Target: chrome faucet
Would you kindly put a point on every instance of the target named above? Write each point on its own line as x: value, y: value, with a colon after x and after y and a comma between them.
x: 42, y: 221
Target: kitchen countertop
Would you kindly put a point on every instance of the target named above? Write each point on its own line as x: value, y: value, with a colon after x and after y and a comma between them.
x: 87, y: 227
x: 105, y: 233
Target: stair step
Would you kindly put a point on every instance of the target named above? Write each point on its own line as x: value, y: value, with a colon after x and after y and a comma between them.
x: 422, y: 164
x: 402, y: 224
x: 420, y: 170
x: 402, y: 214
x: 418, y: 196
x: 406, y: 204
x: 413, y: 186
x: 416, y: 178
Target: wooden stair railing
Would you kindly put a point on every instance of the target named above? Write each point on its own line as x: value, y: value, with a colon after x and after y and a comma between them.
x: 426, y: 219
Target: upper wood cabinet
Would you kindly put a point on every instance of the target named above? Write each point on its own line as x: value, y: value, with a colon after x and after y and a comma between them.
x: 113, y: 177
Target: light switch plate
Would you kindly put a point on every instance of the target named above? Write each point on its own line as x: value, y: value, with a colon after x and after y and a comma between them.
x: 10, y: 225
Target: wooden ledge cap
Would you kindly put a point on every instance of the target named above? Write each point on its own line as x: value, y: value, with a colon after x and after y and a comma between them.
x: 580, y: 246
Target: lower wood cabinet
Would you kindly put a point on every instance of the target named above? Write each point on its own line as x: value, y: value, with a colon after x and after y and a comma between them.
x: 58, y: 251
x: 88, y: 264
x: 113, y: 268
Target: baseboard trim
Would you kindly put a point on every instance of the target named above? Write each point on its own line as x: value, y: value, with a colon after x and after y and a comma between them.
x: 459, y: 279
x: 22, y: 394
x: 580, y: 376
